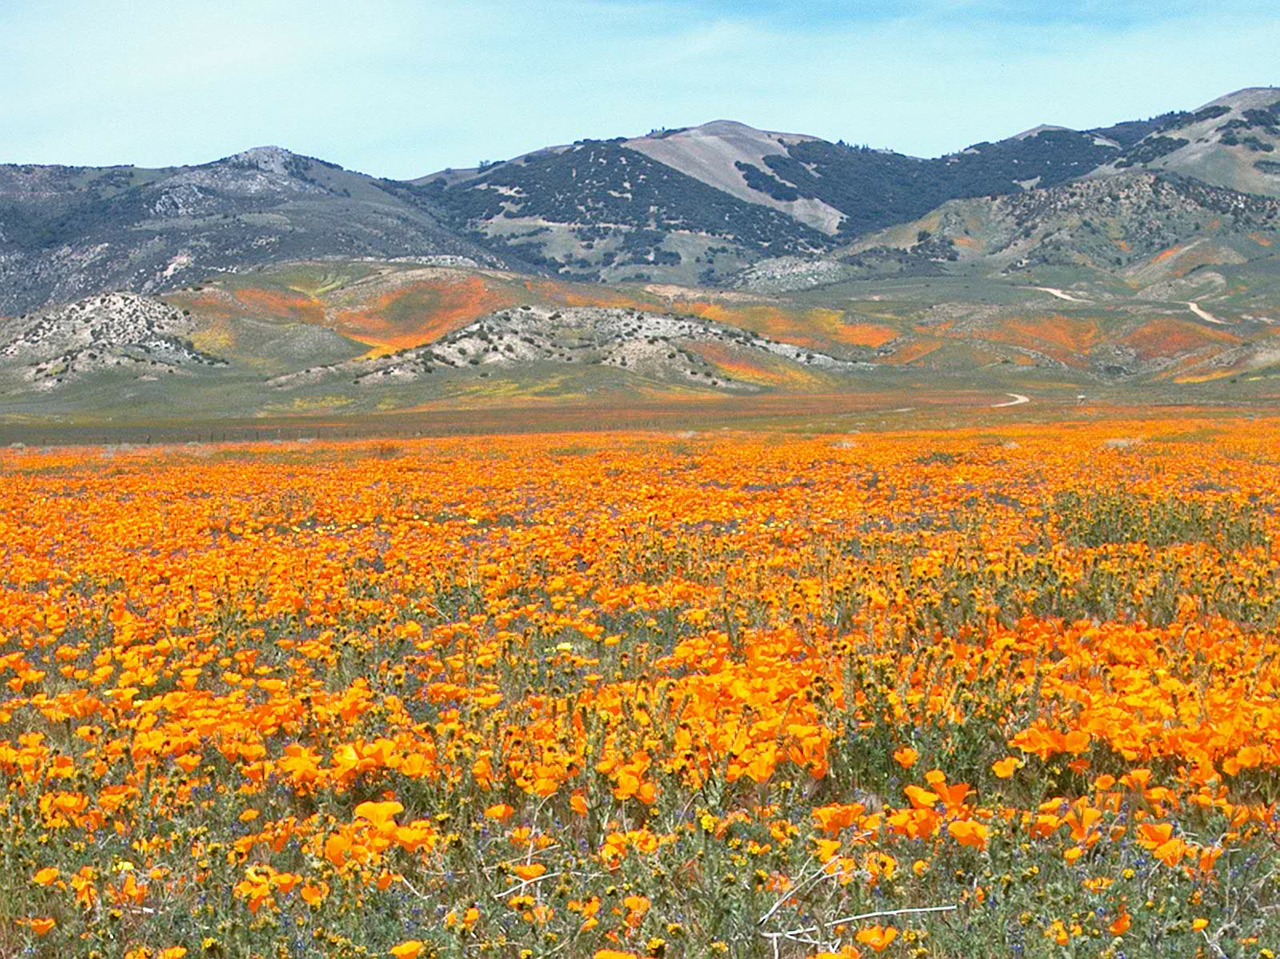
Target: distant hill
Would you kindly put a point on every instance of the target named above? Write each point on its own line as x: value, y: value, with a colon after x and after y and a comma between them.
x: 847, y: 190
x: 709, y: 261
x: 1137, y: 225
x: 67, y: 232
x: 601, y: 210
x: 693, y: 206
x: 699, y: 204
x: 1230, y: 142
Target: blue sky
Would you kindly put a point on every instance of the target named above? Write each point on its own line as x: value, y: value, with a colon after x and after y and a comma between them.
x: 405, y: 87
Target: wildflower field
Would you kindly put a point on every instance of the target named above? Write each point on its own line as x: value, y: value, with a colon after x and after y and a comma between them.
x: 948, y: 694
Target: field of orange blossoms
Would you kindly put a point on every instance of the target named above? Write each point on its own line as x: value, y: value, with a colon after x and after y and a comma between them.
x: 952, y: 694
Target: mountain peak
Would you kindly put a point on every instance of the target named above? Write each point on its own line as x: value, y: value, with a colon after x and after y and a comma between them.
x: 727, y: 130
x: 268, y: 159
x: 1248, y: 98
x: 719, y: 127
x: 1042, y: 128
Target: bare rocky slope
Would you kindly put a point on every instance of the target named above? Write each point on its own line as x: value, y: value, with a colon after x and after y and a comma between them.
x: 653, y: 346
x: 122, y: 332
x: 67, y: 232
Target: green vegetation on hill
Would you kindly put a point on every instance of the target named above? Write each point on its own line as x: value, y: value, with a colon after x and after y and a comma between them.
x: 1131, y: 131
x: 595, y: 184
x: 70, y: 232
x: 875, y: 188
x: 617, y: 211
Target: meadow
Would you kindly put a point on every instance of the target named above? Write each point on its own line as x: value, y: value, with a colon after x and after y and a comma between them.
x: 965, y: 693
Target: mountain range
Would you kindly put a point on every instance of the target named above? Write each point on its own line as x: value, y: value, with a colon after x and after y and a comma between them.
x: 694, y: 205
x: 718, y: 223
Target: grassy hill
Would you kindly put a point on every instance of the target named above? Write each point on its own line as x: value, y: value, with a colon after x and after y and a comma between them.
x: 693, y: 268
x: 356, y: 340
x: 1231, y: 142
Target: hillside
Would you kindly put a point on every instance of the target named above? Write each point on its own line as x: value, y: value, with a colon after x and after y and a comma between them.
x: 694, y: 206
x: 539, y: 351
x: 687, y: 266
x: 117, y: 331
x: 1118, y: 226
x: 725, y: 154
x: 697, y: 205
x: 325, y: 339
x: 601, y: 211
x: 263, y: 346
x: 1231, y: 142
x: 66, y: 232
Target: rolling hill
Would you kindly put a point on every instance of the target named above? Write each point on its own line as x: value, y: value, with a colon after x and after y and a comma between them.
x: 68, y: 232
x: 1138, y: 227
x: 697, y: 264
x: 1231, y: 142
x: 330, y: 338
x: 693, y: 206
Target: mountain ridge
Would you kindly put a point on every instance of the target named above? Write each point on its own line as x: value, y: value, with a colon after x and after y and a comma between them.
x: 692, y: 205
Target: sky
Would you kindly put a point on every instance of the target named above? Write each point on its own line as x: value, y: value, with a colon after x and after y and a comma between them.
x: 402, y: 88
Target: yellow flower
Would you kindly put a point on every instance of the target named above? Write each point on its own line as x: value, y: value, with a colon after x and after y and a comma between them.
x: 46, y: 877
x: 1005, y: 768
